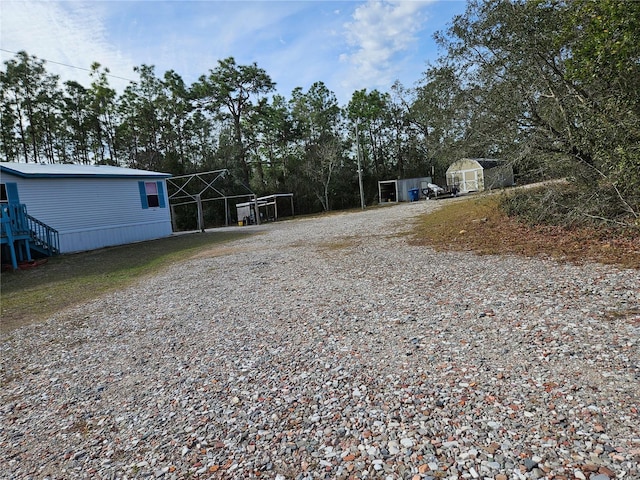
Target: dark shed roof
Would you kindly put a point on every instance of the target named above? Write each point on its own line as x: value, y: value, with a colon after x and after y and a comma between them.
x: 487, y: 163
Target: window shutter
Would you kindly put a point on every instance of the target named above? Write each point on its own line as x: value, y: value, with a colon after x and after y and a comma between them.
x: 12, y: 192
x: 161, y: 202
x: 143, y: 195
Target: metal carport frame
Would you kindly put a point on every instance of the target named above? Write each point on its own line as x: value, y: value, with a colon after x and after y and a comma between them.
x: 204, y: 187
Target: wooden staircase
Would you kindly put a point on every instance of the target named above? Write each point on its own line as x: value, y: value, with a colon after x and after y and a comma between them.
x: 44, y: 239
x: 24, y: 236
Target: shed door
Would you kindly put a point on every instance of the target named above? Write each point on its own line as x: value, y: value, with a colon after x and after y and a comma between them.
x: 470, y: 180
x: 467, y: 180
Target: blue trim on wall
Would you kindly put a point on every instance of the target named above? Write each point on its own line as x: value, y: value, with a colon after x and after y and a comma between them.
x: 17, y: 173
x: 143, y: 195
x: 161, y: 201
x: 12, y: 192
x: 52, y: 175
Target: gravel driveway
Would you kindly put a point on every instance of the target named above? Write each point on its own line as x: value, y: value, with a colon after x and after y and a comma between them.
x: 330, y: 348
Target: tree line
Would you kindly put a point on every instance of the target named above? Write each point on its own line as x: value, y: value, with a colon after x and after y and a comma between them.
x: 551, y: 86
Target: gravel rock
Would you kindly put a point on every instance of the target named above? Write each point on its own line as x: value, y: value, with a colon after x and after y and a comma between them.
x: 330, y: 347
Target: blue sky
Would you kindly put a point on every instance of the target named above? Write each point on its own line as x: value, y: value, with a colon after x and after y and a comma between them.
x: 348, y: 45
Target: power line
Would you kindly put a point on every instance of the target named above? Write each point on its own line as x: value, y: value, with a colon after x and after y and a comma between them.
x: 72, y: 66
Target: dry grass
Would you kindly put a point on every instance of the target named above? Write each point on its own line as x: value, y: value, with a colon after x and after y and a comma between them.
x: 477, y: 224
x: 340, y: 243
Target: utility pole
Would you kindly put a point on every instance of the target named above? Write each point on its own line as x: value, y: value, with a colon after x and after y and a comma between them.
x: 359, y: 166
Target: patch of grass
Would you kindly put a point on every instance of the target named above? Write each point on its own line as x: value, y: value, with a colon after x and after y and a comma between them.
x: 32, y: 295
x: 632, y: 314
x: 340, y: 243
x: 478, y: 224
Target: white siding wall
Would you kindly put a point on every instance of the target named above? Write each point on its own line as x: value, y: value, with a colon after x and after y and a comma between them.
x: 92, y: 213
x: 114, y: 235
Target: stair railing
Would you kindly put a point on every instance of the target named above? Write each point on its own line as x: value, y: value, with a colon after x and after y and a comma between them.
x: 43, y: 235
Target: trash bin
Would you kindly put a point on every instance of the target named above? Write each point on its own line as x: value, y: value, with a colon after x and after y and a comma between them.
x: 414, y: 194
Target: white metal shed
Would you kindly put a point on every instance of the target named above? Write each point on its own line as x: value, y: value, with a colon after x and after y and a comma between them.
x: 398, y: 190
x: 478, y: 174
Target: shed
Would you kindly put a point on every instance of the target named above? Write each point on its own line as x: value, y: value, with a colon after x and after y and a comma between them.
x: 90, y: 206
x: 267, y: 206
x: 398, y: 190
x: 478, y: 174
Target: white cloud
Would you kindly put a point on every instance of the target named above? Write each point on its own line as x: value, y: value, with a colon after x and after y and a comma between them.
x: 295, y: 42
x: 380, y: 32
x: 346, y: 45
x: 69, y: 33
